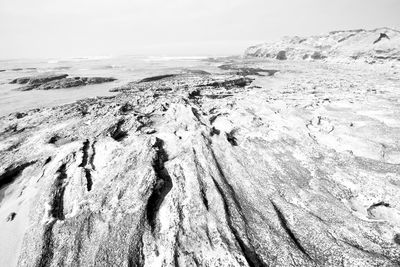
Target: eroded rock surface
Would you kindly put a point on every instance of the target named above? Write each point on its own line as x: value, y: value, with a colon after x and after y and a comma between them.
x: 246, y: 71
x: 39, y: 79
x: 300, y: 169
x: 56, y: 81
x: 380, y: 44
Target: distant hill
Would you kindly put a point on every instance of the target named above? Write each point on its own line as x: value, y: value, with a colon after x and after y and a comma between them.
x: 367, y: 45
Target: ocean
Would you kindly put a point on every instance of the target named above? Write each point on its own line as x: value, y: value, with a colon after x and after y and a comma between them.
x: 124, y: 69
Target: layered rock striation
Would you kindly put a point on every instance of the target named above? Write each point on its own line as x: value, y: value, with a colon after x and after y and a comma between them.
x: 381, y: 44
x: 208, y: 170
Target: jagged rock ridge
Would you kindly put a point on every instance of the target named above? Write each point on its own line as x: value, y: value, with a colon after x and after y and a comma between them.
x: 367, y: 45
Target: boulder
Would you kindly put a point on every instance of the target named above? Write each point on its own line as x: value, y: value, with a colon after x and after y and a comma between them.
x: 381, y: 36
x: 281, y: 55
x: 317, y: 55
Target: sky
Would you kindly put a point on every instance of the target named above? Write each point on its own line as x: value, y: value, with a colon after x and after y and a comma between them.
x: 74, y: 28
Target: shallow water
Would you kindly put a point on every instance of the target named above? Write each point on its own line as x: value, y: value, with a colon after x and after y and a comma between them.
x: 125, y: 69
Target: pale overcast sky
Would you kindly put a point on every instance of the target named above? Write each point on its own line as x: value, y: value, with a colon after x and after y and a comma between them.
x: 69, y: 28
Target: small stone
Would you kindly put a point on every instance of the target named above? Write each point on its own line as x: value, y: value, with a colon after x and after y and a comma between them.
x: 126, y: 108
x: 11, y: 217
x: 149, y: 131
x: 193, y: 93
x: 20, y: 115
x: 281, y: 55
x: 317, y: 55
x: 396, y: 239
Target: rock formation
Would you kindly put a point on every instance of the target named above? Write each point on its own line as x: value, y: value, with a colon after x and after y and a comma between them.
x: 56, y: 81
x: 297, y: 169
x: 247, y: 71
x: 382, y: 36
x: 281, y: 55
x: 366, y: 45
x: 38, y: 80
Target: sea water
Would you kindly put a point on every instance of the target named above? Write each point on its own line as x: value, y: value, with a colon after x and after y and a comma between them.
x: 125, y: 69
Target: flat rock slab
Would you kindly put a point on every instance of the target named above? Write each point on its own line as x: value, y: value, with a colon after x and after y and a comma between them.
x: 39, y: 79
x: 298, y: 169
x: 56, y: 81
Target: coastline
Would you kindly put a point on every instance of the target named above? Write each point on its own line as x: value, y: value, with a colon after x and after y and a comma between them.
x: 212, y: 161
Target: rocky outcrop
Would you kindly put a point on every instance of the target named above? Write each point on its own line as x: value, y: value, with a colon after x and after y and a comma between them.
x: 317, y: 55
x: 38, y: 80
x: 209, y: 170
x: 281, y: 55
x: 381, y: 36
x: 366, y: 45
x: 247, y: 71
x: 165, y: 83
x: 156, y: 78
x: 56, y: 81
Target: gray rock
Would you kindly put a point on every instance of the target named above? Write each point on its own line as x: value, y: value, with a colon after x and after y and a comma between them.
x: 381, y: 36
x: 238, y: 81
x: 253, y: 179
x: 246, y: 71
x: 39, y: 79
x: 281, y: 55
x: 49, y: 82
x: 74, y: 82
x: 156, y: 78
x: 198, y: 72
x: 11, y: 217
x: 317, y: 55
x: 344, y: 45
